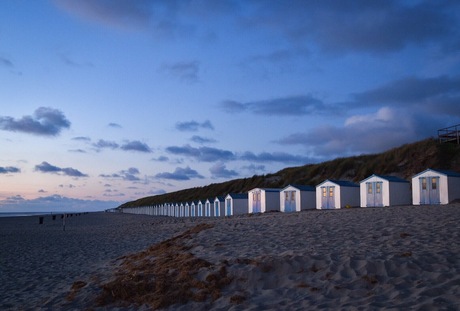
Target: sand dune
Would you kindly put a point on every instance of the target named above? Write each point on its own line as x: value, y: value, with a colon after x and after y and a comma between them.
x: 353, y: 259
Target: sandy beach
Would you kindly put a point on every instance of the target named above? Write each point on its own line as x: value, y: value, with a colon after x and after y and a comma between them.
x: 352, y: 259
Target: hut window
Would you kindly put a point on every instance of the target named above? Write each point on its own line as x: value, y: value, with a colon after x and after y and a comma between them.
x: 369, y: 188
x: 378, y: 187
x: 324, y: 192
x: 423, y: 183
x: 292, y: 195
x: 434, y: 184
x: 331, y: 191
x: 286, y: 195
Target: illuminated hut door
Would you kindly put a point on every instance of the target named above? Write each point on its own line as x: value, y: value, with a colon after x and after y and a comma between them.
x: 216, y: 209
x: 208, y: 209
x: 228, y: 207
x: 256, y: 202
x: 374, y: 194
x: 289, y: 201
x: 429, y: 190
x: 328, y: 197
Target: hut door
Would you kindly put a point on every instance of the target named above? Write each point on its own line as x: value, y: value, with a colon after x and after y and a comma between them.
x: 429, y: 190
x: 289, y: 201
x: 374, y: 194
x: 208, y: 209
x: 256, y: 202
x: 228, y: 207
x: 192, y: 210
x: 328, y: 197
x: 216, y: 209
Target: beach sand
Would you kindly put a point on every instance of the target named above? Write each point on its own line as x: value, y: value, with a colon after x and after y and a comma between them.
x: 352, y: 259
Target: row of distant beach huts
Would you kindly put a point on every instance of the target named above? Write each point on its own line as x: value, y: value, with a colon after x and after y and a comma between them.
x: 428, y: 187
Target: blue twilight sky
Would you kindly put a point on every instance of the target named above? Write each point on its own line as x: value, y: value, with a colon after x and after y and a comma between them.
x: 103, y: 102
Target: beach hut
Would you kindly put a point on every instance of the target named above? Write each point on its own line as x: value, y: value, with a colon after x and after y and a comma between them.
x: 261, y: 200
x: 377, y: 190
x: 435, y: 187
x: 177, y: 210
x: 295, y: 198
x: 200, y: 209
x: 207, y: 208
x: 193, y: 209
x: 334, y: 194
x: 187, y: 210
x: 236, y: 204
x: 219, y: 205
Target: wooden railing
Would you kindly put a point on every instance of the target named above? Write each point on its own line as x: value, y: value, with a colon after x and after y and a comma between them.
x: 450, y: 134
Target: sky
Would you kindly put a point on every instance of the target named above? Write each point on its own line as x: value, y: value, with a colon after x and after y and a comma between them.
x: 104, y: 102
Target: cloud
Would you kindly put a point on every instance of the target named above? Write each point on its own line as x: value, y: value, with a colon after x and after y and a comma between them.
x: 6, y: 62
x: 55, y: 204
x: 410, y: 90
x: 202, y: 140
x: 119, y: 13
x: 274, y: 157
x: 9, y: 169
x: 193, y: 126
x: 131, y: 174
x: 161, y: 159
x: 283, y: 106
x: 184, y: 71
x: 367, y: 26
x: 45, y: 121
x: 45, y: 167
x: 82, y: 138
x: 105, y: 144
x: 136, y: 145
x: 72, y: 63
x: 115, y: 125
x: 219, y: 170
x: 438, y: 94
x: 366, y: 133
x: 203, y: 154
x: 180, y: 174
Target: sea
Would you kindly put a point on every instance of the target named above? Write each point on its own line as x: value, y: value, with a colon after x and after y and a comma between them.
x: 23, y: 214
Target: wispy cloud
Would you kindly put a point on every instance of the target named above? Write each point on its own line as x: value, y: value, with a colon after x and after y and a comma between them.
x: 115, y: 125
x: 6, y: 62
x: 202, y: 140
x: 179, y: 174
x: 45, y: 167
x: 284, y: 106
x: 131, y: 174
x: 105, y: 144
x: 204, y: 154
x: 281, y: 157
x: 45, y: 122
x: 184, y: 71
x: 9, y: 169
x: 193, y: 126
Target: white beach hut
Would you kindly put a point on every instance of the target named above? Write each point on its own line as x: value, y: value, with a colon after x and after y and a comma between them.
x: 435, y: 187
x: 261, y: 200
x: 377, y: 190
x: 295, y: 198
x: 334, y: 194
x: 177, y: 210
x: 193, y: 209
x: 187, y: 210
x: 219, y: 205
x: 236, y: 204
x: 200, y: 208
x: 207, y: 208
